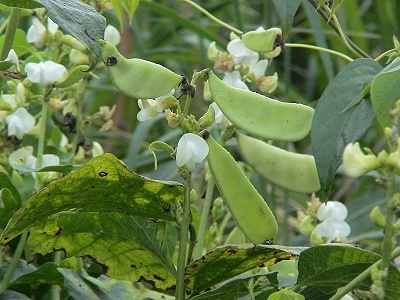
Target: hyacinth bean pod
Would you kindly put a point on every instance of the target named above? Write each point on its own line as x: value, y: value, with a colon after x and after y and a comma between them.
x: 293, y: 171
x: 138, y: 78
x: 259, y: 115
x: 248, y: 208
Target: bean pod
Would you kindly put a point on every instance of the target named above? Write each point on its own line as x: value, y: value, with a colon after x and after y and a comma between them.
x: 293, y: 171
x: 246, y: 205
x: 259, y: 115
x: 138, y: 78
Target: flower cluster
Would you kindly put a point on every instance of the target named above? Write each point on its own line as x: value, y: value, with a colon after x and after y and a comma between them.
x: 241, y: 65
x: 324, y: 223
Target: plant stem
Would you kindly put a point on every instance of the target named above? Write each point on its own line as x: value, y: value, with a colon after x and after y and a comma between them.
x: 290, y: 45
x: 14, y: 262
x: 55, y: 289
x: 335, y: 27
x: 203, y: 220
x: 183, y: 240
x: 360, y: 278
x: 385, y: 54
x: 216, y: 20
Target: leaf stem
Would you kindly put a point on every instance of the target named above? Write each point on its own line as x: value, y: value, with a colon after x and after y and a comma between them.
x: 14, y: 262
x: 385, y: 54
x: 290, y: 45
x: 215, y: 19
x: 203, y: 220
x: 183, y: 240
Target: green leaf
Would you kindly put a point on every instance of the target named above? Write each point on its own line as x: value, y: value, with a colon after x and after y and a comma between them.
x: 128, y: 248
x: 21, y: 269
x: 238, y: 287
x: 7, y: 295
x: 78, y: 19
x: 21, y: 3
x: 45, y: 274
x: 333, y: 126
x: 385, y: 91
x: 231, y: 260
x: 20, y: 44
x: 326, y: 268
x: 103, y: 185
x: 286, y: 10
x: 5, y: 65
x: 8, y: 206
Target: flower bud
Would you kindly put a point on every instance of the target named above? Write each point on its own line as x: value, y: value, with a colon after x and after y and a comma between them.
x: 208, y: 118
x: 268, y: 84
x: 77, y: 57
x: 356, y: 163
x: 206, y: 92
x: 307, y: 226
x: 273, y: 53
x: 57, y: 104
x: 315, y: 239
x: 172, y: 118
x: 212, y: 51
x: 192, y: 196
x: 73, y: 43
x: 218, y: 208
x: 377, y: 217
x: 261, y: 40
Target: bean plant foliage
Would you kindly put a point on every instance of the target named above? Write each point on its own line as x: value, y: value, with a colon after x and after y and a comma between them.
x: 104, y: 196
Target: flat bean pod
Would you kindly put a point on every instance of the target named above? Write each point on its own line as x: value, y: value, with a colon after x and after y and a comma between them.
x: 259, y: 115
x: 293, y: 171
x: 246, y: 205
x: 136, y: 77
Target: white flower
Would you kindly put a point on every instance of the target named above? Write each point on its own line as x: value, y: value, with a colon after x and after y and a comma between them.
x: 356, y: 163
x: 12, y: 56
x: 150, y: 108
x: 332, y: 229
x: 333, y: 226
x: 268, y: 84
x: 332, y: 209
x: 234, y: 79
x: 241, y: 54
x: 220, y: 117
x: 112, y: 35
x: 259, y: 68
x: 36, y: 33
x: 20, y: 122
x: 45, y: 73
x: 51, y: 26
x: 191, y: 149
x: 22, y: 158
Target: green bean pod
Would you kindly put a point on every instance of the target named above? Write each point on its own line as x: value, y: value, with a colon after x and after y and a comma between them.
x: 259, y: 115
x: 293, y: 171
x: 138, y: 78
x: 246, y: 205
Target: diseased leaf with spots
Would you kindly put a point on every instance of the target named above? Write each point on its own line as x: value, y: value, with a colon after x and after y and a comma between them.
x: 128, y: 247
x: 231, y: 260
x: 103, y: 185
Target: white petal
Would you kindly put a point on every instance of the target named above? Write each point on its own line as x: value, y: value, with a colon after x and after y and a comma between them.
x: 332, y: 209
x: 36, y: 31
x: 20, y: 156
x: 259, y: 68
x: 191, y: 149
x: 50, y: 160
x: 20, y: 122
x: 234, y: 79
x: 112, y: 35
x: 147, y: 113
x: 51, y: 26
x: 12, y: 56
x: 332, y: 228
x: 44, y: 73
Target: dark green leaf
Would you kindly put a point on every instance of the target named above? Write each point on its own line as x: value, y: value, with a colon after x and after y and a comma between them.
x: 286, y: 10
x: 231, y: 260
x: 46, y: 274
x: 20, y: 45
x: 238, y: 288
x: 21, y: 269
x: 78, y: 19
x: 128, y: 248
x: 385, y: 92
x: 102, y: 185
x: 326, y: 267
x: 8, y: 206
x: 20, y: 3
x: 334, y: 127
x: 11, y: 295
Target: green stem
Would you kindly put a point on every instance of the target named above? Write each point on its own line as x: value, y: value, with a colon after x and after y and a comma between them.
x: 55, y: 289
x: 203, y: 220
x: 360, y: 278
x: 42, y: 133
x: 290, y: 45
x: 14, y: 262
x: 385, y: 54
x: 216, y: 20
x: 335, y: 27
x: 183, y: 240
